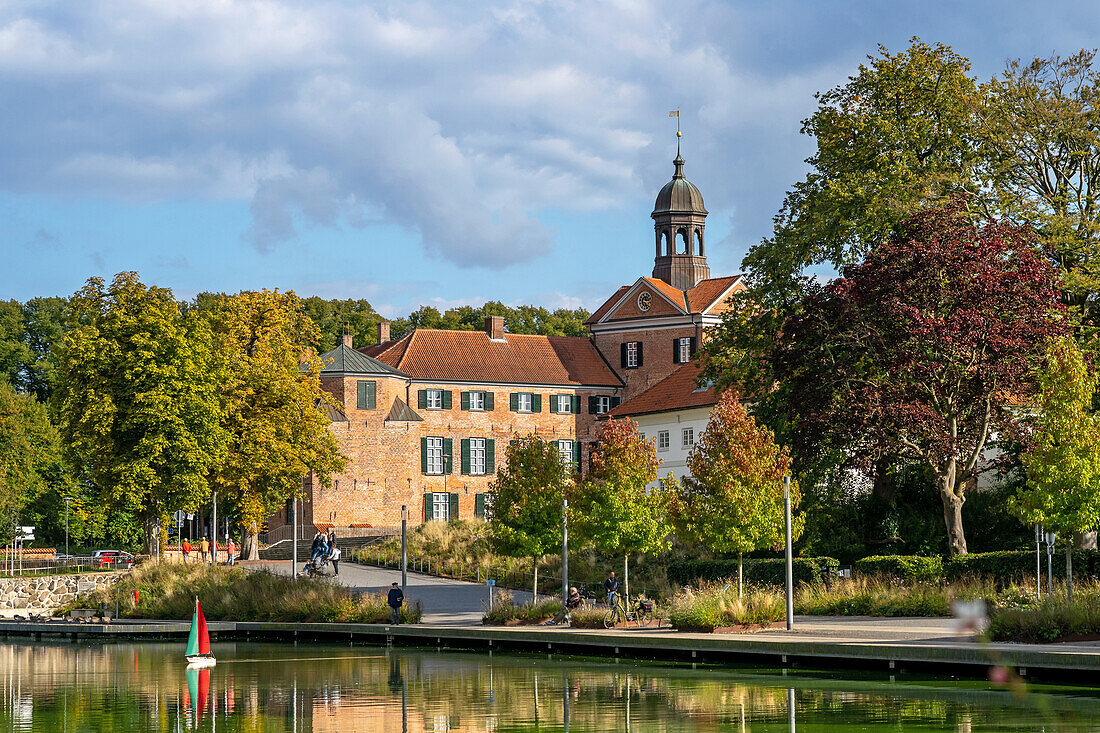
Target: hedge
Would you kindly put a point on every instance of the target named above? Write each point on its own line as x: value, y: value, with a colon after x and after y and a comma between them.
x: 1014, y: 566
x: 761, y: 571
x: 904, y: 567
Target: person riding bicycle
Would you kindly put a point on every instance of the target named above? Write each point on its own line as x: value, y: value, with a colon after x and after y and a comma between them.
x: 611, y: 587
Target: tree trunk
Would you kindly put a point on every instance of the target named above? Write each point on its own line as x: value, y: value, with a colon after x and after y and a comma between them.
x: 883, y: 487
x: 150, y: 528
x: 626, y: 579
x: 1085, y: 540
x: 1069, y: 573
x: 740, y: 573
x: 952, y: 513
x: 535, y: 586
x: 250, y: 546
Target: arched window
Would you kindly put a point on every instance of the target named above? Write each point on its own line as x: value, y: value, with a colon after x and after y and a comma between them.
x: 681, y: 241
x: 699, y: 241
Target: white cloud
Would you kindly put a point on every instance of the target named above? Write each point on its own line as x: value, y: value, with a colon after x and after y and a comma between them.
x: 456, y: 121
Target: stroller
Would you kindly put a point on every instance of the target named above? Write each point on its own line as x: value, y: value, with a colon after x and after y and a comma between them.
x: 316, y: 566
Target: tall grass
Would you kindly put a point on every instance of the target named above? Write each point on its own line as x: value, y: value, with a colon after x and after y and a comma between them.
x: 885, y: 597
x: 1050, y: 620
x: 713, y: 605
x: 506, y: 609
x: 168, y: 591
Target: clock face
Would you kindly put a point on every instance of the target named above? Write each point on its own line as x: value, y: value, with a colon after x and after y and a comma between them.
x: 643, y: 301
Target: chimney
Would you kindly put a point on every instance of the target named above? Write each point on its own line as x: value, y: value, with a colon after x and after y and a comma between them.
x: 347, y: 340
x: 494, y: 326
x: 383, y: 332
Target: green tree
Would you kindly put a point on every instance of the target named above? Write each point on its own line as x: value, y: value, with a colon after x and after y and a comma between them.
x: 138, y: 399
x: 616, y: 512
x: 733, y: 499
x: 30, y: 455
x: 528, y: 319
x: 334, y: 318
x: 526, y: 499
x: 29, y: 333
x: 270, y: 403
x: 1062, y: 458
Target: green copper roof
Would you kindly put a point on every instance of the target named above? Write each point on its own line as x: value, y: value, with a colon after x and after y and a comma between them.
x: 345, y: 360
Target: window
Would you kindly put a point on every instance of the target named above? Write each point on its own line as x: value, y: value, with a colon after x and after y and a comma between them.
x: 477, y: 400
x: 565, y: 448
x: 565, y: 403
x: 632, y: 354
x: 523, y: 402
x: 483, y: 506
x: 441, y: 505
x: 365, y: 393
x: 477, y: 456
x: 689, y: 437
x: 662, y: 440
x: 434, y: 455
x: 685, y: 350
x: 435, y: 399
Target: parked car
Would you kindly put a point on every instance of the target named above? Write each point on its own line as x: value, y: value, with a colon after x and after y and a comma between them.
x: 112, y: 558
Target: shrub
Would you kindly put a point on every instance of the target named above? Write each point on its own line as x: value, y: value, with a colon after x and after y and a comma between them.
x: 1052, y: 620
x: 587, y: 618
x: 506, y: 609
x: 1014, y: 566
x: 758, y: 571
x: 903, y: 567
x: 714, y: 605
x: 168, y: 590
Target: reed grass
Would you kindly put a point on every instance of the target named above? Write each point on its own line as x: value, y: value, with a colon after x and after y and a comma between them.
x: 713, y: 605
x: 1052, y: 619
x: 168, y: 591
x: 506, y: 609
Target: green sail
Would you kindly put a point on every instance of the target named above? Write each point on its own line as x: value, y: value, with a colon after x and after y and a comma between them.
x: 193, y: 639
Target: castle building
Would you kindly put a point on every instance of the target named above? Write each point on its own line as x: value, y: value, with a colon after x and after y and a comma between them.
x: 426, y: 417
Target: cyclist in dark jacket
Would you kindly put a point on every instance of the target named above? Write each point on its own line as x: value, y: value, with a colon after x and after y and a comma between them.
x: 611, y: 587
x: 395, y: 599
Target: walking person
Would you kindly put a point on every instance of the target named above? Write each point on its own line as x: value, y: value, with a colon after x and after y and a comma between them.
x: 611, y: 587
x: 231, y: 551
x: 185, y: 549
x: 334, y: 556
x: 204, y: 549
x: 396, y: 598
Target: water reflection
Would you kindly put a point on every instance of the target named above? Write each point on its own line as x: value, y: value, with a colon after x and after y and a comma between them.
x: 58, y: 688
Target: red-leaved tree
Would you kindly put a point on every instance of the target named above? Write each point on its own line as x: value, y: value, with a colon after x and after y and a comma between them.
x: 922, y: 351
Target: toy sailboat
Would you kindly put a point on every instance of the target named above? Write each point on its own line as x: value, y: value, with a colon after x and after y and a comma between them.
x: 198, y: 643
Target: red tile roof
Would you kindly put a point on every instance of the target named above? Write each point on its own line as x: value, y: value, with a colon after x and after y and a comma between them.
x: 470, y: 356
x: 677, y: 391
x: 703, y: 295
x: 607, y: 304
x: 674, y: 294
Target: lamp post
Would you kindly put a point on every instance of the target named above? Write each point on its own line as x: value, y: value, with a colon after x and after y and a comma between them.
x: 294, y: 542
x: 404, y: 545
x: 68, y: 500
x: 1038, y: 563
x: 564, y: 550
x: 1050, y: 538
x: 790, y: 563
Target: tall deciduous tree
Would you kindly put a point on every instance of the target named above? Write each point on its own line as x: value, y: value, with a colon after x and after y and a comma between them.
x: 30, y: 455
x: 138, y: 399
x: 921, y: 351
x: 1062, y: 457
x: 616, y: 512
x: 270, y: 407
x: 526, y: 501
x: 733, y: 499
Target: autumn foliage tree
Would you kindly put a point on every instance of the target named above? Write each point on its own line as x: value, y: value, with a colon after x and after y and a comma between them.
x: 922, y: 351
x: 525, y: 501
x: 733, y: 499
x: 615, y: 511
x: 271, y: 406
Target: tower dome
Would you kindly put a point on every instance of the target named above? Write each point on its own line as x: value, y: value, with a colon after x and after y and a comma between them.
x: 679, y: 220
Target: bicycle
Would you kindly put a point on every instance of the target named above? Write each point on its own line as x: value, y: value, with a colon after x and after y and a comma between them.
x: 641, y: 613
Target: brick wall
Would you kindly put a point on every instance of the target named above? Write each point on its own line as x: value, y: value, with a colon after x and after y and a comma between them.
x: 656, y: 355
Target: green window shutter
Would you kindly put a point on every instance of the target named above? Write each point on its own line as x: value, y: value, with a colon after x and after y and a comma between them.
x: 640, y: 354
x: 576, y: 405
x: 448, y: 456
x: 366, y: 391
x: 422, y: 399
x: 622, y: 355
x: 675, y: 351
x: 593, y: 405
x: 553, y: 403
x: 452, y: 507
x: 446, y: 399
x: 693, y: 343
x: 536, y: 403
x: 513, y: 402
x: 490, y: 456
x: 464, y: 400
x: 427, y: 507
x: 489, y: 401
x: 479, y: 506
x: 465, y: 456
x: 577, y: 455
x: 423, y: 455
x: 616, y: 401
x: 372, y: 395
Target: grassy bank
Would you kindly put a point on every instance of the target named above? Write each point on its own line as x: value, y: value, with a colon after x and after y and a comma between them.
x: 715, y: 605
x: 168, y: 590
x: 1051, y: 620
x: 888, y: 597
x: 505, y: 610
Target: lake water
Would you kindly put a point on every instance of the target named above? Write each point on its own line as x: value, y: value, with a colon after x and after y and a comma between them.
x: 63, y: 688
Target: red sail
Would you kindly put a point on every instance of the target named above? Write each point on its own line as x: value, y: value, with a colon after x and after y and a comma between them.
x: 204, y: 634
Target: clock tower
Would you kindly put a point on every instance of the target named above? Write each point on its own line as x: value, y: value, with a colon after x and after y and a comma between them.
x: 679, y: 222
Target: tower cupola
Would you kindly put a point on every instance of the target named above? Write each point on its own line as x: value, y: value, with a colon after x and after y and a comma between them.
x: 679, y: 221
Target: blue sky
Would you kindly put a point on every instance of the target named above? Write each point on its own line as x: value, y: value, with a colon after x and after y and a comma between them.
x: 425, y: 152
